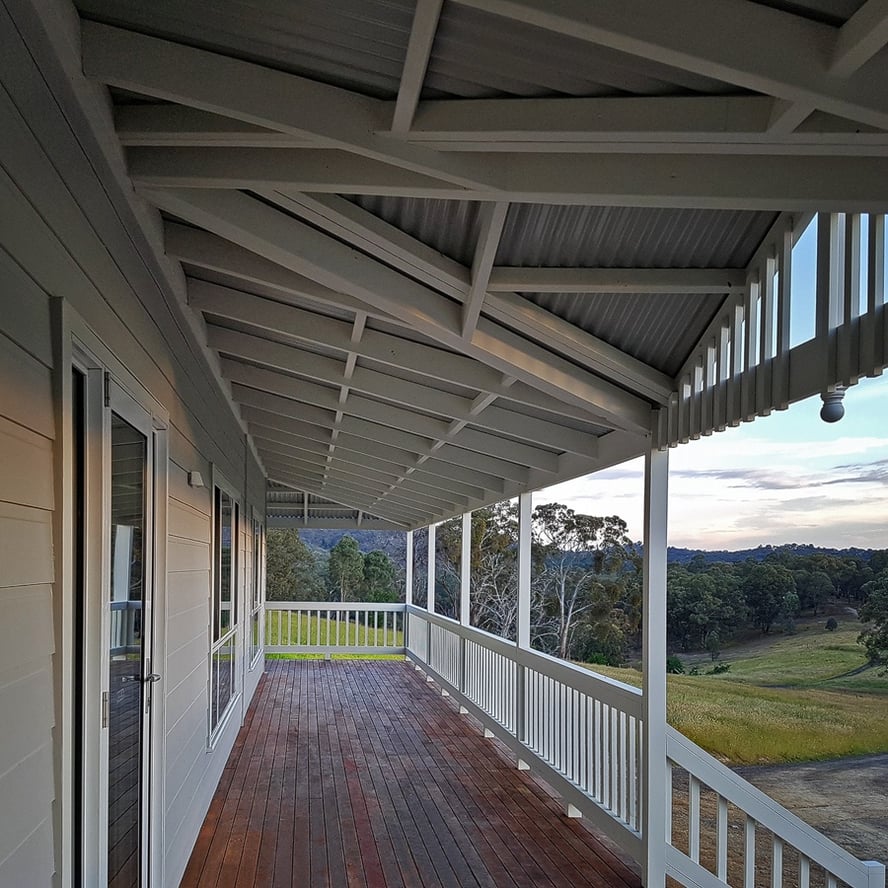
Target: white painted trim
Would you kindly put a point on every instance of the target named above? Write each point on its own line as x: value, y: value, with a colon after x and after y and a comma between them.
x: 465, y: 571
x: 419, y: 50
x: 430, y: 595
x: 655, y: 799
x: 525, y: 512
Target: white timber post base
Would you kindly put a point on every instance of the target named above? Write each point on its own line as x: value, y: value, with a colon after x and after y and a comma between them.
x: 572, y: 812
x: 656, y: 795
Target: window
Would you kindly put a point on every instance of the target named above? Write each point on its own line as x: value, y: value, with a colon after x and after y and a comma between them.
x: 224, y: 608
x: 256, y: 593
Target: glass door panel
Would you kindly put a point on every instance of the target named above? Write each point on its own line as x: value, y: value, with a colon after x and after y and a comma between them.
x: 127, y: 649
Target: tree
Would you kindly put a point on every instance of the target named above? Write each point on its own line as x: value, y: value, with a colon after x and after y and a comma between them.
x: 346, y: 568
x: 765, y: 587
x: 291, y: 568
x: 379, y: 578
x: 698, y: 604
x: 875, y: 611
x: 814, y: 589
x: 583, y: 578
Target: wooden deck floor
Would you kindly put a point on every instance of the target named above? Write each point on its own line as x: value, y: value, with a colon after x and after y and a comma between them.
x: 357, y: 773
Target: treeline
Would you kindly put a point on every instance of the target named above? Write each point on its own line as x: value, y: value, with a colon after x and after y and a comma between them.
x: 586, y: 584
x: 296, y: 572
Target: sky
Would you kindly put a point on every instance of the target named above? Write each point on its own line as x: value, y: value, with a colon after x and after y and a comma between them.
x: 784, y: 478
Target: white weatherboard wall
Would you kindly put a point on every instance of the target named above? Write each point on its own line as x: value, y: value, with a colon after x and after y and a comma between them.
x: 26, y: 577
x: 67, y: 233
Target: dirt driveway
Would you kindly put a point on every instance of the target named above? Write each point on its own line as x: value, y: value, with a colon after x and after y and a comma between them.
x: 846, y: 799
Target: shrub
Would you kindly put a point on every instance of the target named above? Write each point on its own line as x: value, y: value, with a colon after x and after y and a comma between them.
x: 832, y: 624
x: 719, y: 668
x: 674, y: 666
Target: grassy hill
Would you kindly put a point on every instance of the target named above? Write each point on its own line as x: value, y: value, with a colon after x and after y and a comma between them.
x: 785, y: 698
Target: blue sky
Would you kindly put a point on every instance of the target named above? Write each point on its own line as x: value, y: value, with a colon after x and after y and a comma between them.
x: 787, y: 477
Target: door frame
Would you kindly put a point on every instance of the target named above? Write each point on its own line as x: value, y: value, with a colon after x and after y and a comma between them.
x: 78, y: 348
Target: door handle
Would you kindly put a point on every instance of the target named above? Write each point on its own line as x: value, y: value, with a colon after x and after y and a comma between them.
x: 148, y: 678
x: 152, y: 678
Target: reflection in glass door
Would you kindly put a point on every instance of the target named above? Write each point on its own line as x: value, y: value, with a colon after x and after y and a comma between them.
x: 129, y: 652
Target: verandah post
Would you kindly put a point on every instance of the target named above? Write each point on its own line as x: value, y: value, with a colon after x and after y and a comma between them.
x: 655, y: 794
x: 408, y: 587
x: 430, y: 595
x: 525, y: 503
x: 465, y: 590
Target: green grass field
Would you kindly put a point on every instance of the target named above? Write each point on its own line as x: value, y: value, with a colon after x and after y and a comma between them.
x: 279, y: 630
x: 786, y: 698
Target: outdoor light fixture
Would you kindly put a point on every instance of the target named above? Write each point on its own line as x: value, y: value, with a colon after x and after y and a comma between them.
x: 195, y: 479
x: 832, y: 409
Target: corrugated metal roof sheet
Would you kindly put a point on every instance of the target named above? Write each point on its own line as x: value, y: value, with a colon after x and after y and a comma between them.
x: 450, y: 226
x: 358, y: 44
x: 630, y: 237
x: 477, y: 54
x: 659, y: 329
x: 832, y: 12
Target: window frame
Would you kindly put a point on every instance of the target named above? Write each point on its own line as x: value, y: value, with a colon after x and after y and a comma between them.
x: 219, y: 714
x: 257, y: 589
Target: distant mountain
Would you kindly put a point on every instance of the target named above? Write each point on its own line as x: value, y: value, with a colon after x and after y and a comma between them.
x: 678, y: 555
x: 393, y: 543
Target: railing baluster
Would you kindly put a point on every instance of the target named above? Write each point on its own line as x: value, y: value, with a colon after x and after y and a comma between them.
x: 721, y: 838
x: 804, y: 872
x: 749, y: 853
x: 776, y: 862
x: 694, y: 818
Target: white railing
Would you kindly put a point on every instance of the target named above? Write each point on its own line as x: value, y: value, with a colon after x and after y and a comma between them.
x: 311, y: 627
x: 126, y: 627
x: 740, y: 368
x: 579, y: 731
x: 771, y: 841
x: 583, y: 734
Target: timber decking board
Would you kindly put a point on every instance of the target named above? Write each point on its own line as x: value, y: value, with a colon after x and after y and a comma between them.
x: 356, y: 773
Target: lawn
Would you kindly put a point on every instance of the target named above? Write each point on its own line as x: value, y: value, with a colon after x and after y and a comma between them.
x: 785, y: 699
x: 279, y: 630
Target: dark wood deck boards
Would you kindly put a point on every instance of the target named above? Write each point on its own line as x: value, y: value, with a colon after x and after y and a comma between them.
x: 356, y: 773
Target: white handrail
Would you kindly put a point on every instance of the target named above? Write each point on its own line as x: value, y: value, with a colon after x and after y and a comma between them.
x: 334, y: 627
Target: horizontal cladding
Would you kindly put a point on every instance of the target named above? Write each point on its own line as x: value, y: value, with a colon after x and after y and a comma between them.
x: 356, y: 44
x: 659, y: 329
x: 555, y: 235
x: 478, y: 54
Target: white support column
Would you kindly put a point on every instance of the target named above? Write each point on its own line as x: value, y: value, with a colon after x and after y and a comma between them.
x: 524, y: 511
x: 430, y: 598
x: 525, y: 505
x: 655, y: 795
x: 408, y: 572
x: 465, y: 568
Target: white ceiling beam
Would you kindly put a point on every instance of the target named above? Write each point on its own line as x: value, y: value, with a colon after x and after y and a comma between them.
x: 256, y: 169
x: 356, y: 458
x: 397, y: 417
x: 355, y: 225
x: 303, y: 249
x: 617, y: 280
x: 717, y: 181
x: 492, y: 222
x: 791, y: 52
x: 860, y: 38
x: 398, y: 391
x: 347, y: 498
x: 258, y: 95
x: 178, y: 125
x: 419, y: 51
x: 384, y: 348
x: 204, y: 250
x: 351, y: 440
x: 430, y: 495
x: 450, y: 462
x: 631, y: 125
x: 283, y: 521
x: 634, y: 124
x: 374, y: 494
x: 383, y: 432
